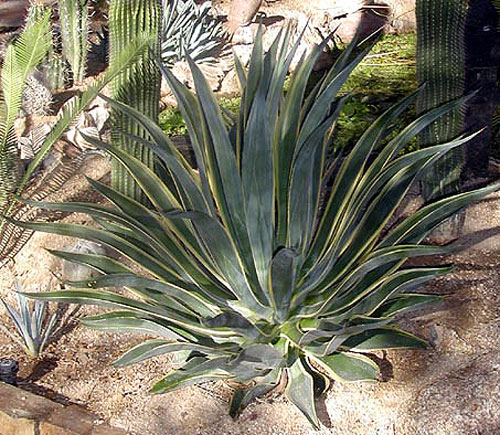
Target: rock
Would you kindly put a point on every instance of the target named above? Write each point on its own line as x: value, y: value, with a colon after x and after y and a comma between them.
x: 463, y: 401
x: 230, y: 84
x: 245, y: 35
x: 402, y: 18
x: 99, y: 115
x: 30, y: 143
x: 76, y: 272
x: 214, y: 73
x: 365, y: 21
x: 12, y: 12
x: 242, y: 13
x: 243, y: 51
x: 91, y: 123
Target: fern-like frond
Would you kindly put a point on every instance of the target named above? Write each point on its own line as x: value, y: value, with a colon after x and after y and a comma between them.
x: 22, y: 57
x: 33, y: 44
x: 42, y: 187
x: 11, y: 238
x: 126, y: 58
x: 12, y: 88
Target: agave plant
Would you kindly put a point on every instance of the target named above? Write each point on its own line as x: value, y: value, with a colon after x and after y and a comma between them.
x: 189, y: 29
x: 245, y: 263
x: 34, y: 328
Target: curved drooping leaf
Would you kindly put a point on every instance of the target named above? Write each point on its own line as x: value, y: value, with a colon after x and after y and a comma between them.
x: 405, y: 302
x: 348, y: 366
x: 268, y: 261
x: 243, y: 397
x: 152, y: 348
x: 195, y: 371
x: 126, y: 321
x: 300, y: 391
x: 384, y: 338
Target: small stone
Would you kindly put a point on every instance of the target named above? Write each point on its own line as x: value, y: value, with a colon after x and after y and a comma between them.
x: 245, y: 35
x: 230, y: 85
x: 433, y: 336
x: 77, y: 272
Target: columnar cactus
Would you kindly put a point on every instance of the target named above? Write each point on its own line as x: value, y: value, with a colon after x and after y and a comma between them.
x: 139, y: 85
x: 441, y: 66
x: 55, y: 71
x: 496, y: 5
x: 73, y: 16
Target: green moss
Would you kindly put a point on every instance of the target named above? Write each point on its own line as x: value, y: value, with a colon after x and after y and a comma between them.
x: 172, y: 123
x: 384, y: 77
x: 389, y: 69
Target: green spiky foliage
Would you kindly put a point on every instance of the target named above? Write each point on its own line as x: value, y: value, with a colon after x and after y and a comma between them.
x: 260, y: 264
x: 441, y: 66
x: 41, y: 186
x: 56, y: 71
x: 138, y: 86
x: 22, y: 57
x: 189, y: 29
x: 33, y: 326
x: 73, y: 16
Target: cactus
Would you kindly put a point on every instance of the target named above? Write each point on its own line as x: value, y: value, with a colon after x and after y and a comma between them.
x: 73, y: 16
x: 37, y: 95
x: 441, y: 65
x: 55, y: 71
x: 138, y: 86
x: 496, y: 5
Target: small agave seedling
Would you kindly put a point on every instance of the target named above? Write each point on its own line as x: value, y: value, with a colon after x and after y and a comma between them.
x: 262, y: 264
x: 33, y: 327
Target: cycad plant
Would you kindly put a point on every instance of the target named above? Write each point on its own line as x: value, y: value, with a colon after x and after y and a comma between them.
x: 260, y: 263
x: 22, y: 57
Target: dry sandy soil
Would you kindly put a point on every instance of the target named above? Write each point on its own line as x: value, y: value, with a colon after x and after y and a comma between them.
x: 451, y: 388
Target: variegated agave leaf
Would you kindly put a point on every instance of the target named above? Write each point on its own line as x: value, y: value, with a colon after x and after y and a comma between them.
x: 190, y: 30
x: 245, y: 265
x: 44, y: 185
